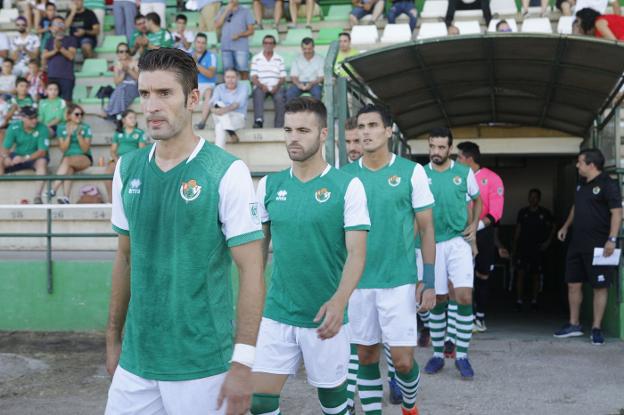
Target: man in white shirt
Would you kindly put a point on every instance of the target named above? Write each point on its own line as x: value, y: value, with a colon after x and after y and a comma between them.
x: 306, y: 73
x: 24, y: 47
x: 268, y: 74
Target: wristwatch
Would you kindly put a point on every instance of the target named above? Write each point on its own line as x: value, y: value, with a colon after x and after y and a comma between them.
x: 612, y: 239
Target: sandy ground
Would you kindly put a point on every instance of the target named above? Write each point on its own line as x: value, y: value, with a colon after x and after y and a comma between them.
x: 520, y: 367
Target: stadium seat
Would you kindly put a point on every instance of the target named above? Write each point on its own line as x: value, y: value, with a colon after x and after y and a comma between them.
x: 364, y: 34
x: 512, y: 24
x: 338, y: 12
x: 92, y: 68
x: 109, y: 22
x: 294, y: 36
x: 564, y: 26
x: 327, y: 35
x: 396, y: 33
x: 109, y: 45
x: 431, y: 29
x: 80, y: 93
x: 8, y: 15
x: 503, y: 7
x: 256, y: 39
x: 434, y: 8
x: 536, y: 25
x: 289, y: 57
x: 468, y: 27
x: 213, y: 41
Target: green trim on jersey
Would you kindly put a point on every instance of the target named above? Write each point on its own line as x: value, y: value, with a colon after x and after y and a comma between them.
x: 121, y: 231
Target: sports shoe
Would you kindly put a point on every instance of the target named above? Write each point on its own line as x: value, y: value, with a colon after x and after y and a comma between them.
x: 449, y: 349
x: 434, y: 365
x: 596, y: 337
x: 396, y: 397
x: 479, y: 326
x: 424, y: 337
x: 63, y: 200
x: 50, y: 195
x: 413, y: 411
x: 258, y: 123
x: 465, y: 370
x: 569, y: 330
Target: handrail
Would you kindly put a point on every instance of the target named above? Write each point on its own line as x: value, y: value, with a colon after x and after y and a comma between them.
x: 328, y: 99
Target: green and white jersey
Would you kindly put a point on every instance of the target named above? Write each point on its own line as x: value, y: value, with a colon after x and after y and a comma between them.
x: 308, y: 223
x: 162, y: 38
x: 394, y: 193
x: 74, y: 146
x: 127, y: 142
x: 50, y: 109
x: 26, y: 142
x: 452, y: 189
x: 181, y: 223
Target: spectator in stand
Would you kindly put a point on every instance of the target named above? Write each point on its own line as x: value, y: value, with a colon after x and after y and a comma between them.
x: 52, y: 108
x: 98, y: 7
x: 294, y: 12
x: 208, y: 10
x: 406, y: 7
x: 182, y: 37
x: 20, y: 100
x: 229, y: 107
x: 33, y: 12
x: 503, y: 27
x: 138, y: 40
x: 156, y: 36
x: 268, y: 75
x: 453, y: 5
x: 60, y: 52
x: 126, y: 75
x: 4, y: 46
x: 83, y: 25
x: 534, y: 3
x: 36, y: 78
x: 268, y: 8
x: 7, y: 78
x: 237, y: 25
x: 43, y: 30
x: 74, y: 138
x: 566, y: 6
x: 207, y: 76
x: 306, y: 73
x: 345, y: 51
x: 26, y: 147
x: 24, y: 47
x: 363, y: 8
x: 128, y: 137
x: 155, y: 6
x: 591, y: 23
x: 125, y: 12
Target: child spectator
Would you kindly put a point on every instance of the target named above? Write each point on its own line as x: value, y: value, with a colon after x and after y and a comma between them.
x: 52, y: 109
x: 43, y: 30
x: 182, y: 37
x: 7, y: 79
x: 37, y: 80
x: 20, y: 100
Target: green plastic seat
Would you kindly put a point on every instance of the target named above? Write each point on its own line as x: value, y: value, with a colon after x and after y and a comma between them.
x: 109, y: 22
x: 289, y: 57
x: 93, y: 68
x: 109, y: 45
x: 80, y: 93
x: 327, y: 35
x: 213, y: 41
x: 338, y: 12
x: 256, y: 39
x: 294, y: 36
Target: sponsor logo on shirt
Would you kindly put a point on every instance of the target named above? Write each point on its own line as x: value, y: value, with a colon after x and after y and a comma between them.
x: 499, y: 191
x: 190, y: 190
x: 135, y: 187
x: 253, y: 211
x: 36, y: 134
x: 484, y: 181
x: 601, y: 278
x: 596, y: 190
x: 394, y: 181
x: 322, y: 195
x: 457, y: 180
x: 281, y: 195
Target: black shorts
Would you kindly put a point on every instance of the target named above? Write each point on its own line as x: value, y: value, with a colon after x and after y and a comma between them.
x: 27, y: 165
x: 485, y: 260
x: 529, y: 263
x: 579, y: 268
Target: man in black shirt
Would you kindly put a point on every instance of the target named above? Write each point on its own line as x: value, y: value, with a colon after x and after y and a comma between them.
x: 596, y: 218
x: 84, y: 26
x: 534, y: 232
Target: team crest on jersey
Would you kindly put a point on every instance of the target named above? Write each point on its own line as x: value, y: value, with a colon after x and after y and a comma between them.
x: 394, y: 181
x: 135, y: 136
x: 484, y: 181
x: 499, y: 191
x: 596, y: 190
x: 135, y: 187
x: 190, y: 190
x: 281, y: 195
x: 36, y: 134
x: 457, y: 180
x: 322, y: 195
x: 253, y: 211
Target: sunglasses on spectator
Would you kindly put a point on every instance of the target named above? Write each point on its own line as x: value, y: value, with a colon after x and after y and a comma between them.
x: 78, y: 114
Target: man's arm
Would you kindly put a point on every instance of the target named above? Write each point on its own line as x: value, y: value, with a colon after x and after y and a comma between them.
x: 470, y: 232
x: 614, y: 230
x: 266, y: 229
x: 563, y: 232
x: 424, y: 222
x: 69, y: 53
x: 207, y: 72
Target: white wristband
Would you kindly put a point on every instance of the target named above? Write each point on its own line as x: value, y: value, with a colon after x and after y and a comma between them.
x: 244, y: 354
x: 480, y: 226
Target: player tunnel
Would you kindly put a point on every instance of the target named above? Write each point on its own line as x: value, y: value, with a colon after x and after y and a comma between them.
x: 531, y: 102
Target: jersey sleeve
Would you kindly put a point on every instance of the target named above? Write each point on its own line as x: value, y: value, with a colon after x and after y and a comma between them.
x: 473, y: 186
x: 86, y: 132
x: 263, y: 213
x: 9, y: 139
x: 238, y: 207
x: 496, y: 198
x: 142, y: 138
x: 356, y: 216
x: 116, y: 138
x: 422, y: 198
x: 43, y: 141
x: 613, y: 194
x: 118, y: 216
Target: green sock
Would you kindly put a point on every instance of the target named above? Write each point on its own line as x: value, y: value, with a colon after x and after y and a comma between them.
x: 265, y: 404
x: 451, y: 330
x: 370, y: 388
x: 334, y: 400
x: 437, y: 328
x: 464, y: 329
x: 408, y: 382
x: 352, y: 376
x: 391, y: 370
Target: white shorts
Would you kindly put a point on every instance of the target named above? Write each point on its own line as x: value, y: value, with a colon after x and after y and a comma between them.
x: 453, y: 263
x: 280, y: 348
x: 383, y: 315
x: 133, y: 395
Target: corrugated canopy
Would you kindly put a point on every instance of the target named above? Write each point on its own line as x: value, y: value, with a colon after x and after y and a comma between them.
x: 556, y: 82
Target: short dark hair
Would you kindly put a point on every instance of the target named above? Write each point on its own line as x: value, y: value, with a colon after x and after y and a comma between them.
x: 351, y: 123
x: 470, y: 149
x: 442, y: 132
x: 71, y: 106
x: 120, y: 118
x: 593, y: 156
x: 138, y: 17
x: 57, y: 17
x: 307, y: 41
x: 269, y: 37
x: 231, y: 70
x: 20, y: 80
x: 587, y: 18
x: 58, y: 86
x: 502, y: 22
x: 386, y: 119
x: 122, y: 44
x: 48, y: 4
x: 347, y: 34
x: 537, y: 191
x: 201, y: 34
x: 9, y: 60
x: 308, y: 104
x: 172, y: 60
x: 181, y: 17
x: 153, y: 17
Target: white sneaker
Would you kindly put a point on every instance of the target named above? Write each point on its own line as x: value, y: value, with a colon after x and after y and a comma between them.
x: 478, y: 326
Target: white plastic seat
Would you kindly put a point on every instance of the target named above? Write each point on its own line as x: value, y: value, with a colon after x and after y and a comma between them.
x: 432, y: 29
x: 503, y: 7
x: 364, y: 34
x: 511, y: 22
x: 8, y: 15
x: 599, y: 5
x: 434, y: 8
x: 396, y: 33
x: 536, y: 25
x: 468, y: 27
x: 564, y: 26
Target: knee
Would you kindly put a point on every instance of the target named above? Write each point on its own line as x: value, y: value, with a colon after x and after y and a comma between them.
x: 464, y: 297
x: 368, y: 354
x: 403, y: 363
